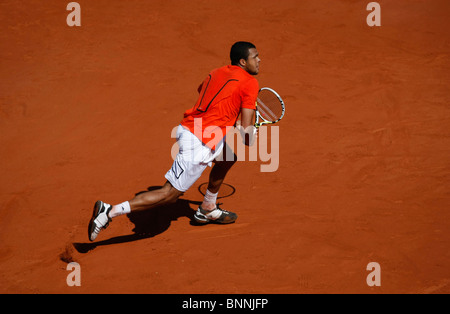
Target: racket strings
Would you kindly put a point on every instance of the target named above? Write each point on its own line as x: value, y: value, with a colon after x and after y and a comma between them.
x: 269, y: 106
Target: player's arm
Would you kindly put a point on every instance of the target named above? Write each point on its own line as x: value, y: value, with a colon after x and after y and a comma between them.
x: 248, y: 130
x: 249, y: 94
x: 247, y: 117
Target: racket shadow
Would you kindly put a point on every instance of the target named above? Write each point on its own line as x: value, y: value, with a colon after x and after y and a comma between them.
x: 148, y: 223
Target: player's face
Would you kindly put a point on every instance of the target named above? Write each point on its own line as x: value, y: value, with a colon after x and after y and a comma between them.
x: 252, y: 62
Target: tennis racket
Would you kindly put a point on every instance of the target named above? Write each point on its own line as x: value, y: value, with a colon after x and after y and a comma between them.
x: 269, y: 107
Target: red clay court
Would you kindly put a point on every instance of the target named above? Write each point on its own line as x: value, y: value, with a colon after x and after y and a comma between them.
x: 364, y: 176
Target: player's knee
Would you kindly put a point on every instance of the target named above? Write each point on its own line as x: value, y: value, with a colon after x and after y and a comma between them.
x: 172, y: 195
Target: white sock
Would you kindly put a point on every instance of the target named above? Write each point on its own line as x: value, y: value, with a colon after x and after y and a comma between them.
x: 120, y: 209
x: 210, y: 198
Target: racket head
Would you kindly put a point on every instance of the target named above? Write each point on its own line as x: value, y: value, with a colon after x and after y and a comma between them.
x: 270, y: 107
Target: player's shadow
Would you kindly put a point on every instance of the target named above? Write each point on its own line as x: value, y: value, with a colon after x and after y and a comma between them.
x: 148, y: 223
x: 152, y: 222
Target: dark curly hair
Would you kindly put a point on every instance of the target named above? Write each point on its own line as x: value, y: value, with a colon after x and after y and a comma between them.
x: 240, y: 50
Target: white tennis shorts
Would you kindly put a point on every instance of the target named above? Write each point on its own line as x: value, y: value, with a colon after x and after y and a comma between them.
x: 192, y: 159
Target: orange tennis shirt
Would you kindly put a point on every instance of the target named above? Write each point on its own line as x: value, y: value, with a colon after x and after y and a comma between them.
x: 222, y: 95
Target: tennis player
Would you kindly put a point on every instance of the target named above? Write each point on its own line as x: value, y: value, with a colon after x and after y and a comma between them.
x: 226, y: 93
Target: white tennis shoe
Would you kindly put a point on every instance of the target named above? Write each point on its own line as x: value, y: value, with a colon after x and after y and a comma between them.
x: 218, y: 215
x: 100, y: 219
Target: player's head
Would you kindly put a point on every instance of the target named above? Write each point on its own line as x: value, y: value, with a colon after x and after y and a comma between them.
x: 245, y: 55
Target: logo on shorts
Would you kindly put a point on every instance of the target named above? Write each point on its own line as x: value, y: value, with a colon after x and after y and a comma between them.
x: 177, y: 170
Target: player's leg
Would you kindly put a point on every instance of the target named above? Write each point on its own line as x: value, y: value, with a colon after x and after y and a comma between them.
x: 222, y: 165
x: 209, y: 211
x: 180, y: 177
x: 165, y: 195
x: 147, y: 200
x: 104, y: 213
x: 216, y: 178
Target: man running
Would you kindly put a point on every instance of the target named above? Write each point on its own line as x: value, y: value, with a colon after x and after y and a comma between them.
x: 226, y: 93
